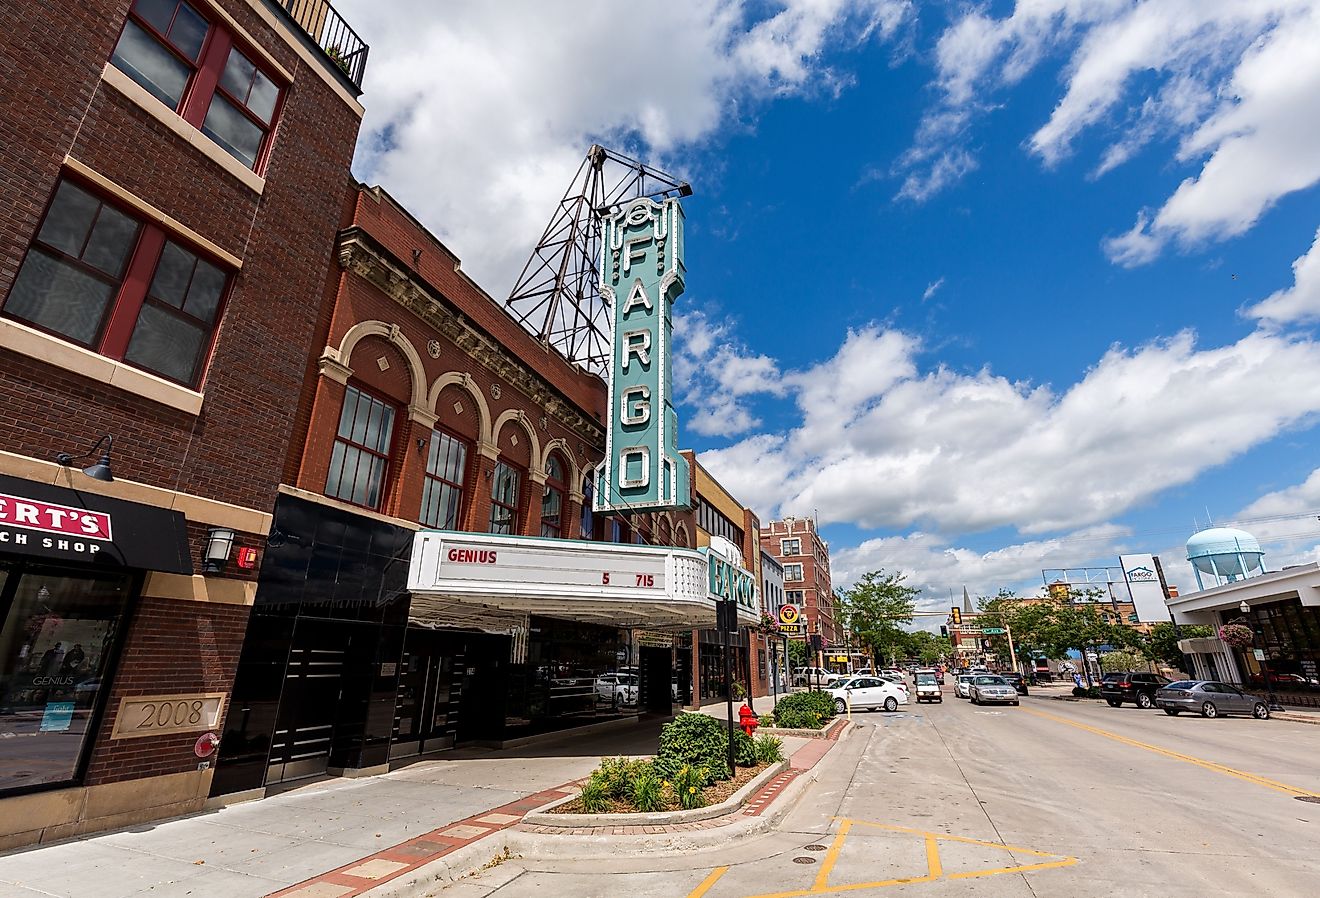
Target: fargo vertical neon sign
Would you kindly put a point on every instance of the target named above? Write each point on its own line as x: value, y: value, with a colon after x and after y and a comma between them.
x: 641, y: 276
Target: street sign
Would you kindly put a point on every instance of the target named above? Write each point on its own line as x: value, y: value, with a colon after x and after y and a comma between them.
x: 992, y: 631
x: 798, y: 629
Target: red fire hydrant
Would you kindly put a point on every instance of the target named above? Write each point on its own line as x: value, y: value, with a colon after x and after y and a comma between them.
x: 747, y: 720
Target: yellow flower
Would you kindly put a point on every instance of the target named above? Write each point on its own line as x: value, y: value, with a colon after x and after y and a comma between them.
x: 665, y: 783
x: 692, y: 789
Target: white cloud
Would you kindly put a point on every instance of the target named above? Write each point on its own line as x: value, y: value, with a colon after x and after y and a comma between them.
x: 479, y: 113
x: 1235, y: 83
x: 718, y: 374
x: 932, y: 564
x: 1286, y: 522
x: 1301, y: 301
x: 931, y: 289
x: 881, y: 444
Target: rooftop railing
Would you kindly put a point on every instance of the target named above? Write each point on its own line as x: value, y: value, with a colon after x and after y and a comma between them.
x: 328, y: 30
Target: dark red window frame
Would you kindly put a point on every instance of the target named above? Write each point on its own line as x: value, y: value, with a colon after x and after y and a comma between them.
x: 391, y: 445
x: 204, y: 83
x: 115, y: 330
x: 434, y: 482
x: 553, y: 486
x: 521, y: 478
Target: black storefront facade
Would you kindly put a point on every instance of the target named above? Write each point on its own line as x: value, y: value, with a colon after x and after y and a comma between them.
x: 341, y: 675
x: 72, y: 567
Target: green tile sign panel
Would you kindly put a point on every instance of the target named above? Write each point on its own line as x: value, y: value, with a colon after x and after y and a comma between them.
x: 641, y: 276
x: 728, y: 581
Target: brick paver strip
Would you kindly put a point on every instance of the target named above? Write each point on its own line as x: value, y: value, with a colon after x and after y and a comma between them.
x: 404, y: 857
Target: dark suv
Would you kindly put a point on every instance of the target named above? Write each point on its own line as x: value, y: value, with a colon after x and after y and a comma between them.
x: 1138, y: 688
x: 1017, y: 681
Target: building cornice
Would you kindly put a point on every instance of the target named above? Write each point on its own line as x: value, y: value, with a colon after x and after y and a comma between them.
x: 361, y: 255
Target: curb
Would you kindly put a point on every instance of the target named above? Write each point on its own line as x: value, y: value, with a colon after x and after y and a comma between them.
x: 519, y: 842
x: 542, y: 817
x: 822, y: 733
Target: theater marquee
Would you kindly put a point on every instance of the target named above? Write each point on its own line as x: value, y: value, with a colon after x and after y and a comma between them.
x: 641, y: 276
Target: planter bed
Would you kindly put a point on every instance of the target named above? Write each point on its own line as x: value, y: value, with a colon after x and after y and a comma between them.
x: 821, y: 733
x: 724, y: 797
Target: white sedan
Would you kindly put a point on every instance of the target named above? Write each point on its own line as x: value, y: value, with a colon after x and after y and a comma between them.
x: 867, y: 692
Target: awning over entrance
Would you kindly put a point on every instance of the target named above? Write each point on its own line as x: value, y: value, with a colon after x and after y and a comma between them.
x: 457, y: 579
x: 60, y: 524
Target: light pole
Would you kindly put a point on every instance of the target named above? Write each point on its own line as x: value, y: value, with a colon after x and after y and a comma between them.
x: 1270, y: 698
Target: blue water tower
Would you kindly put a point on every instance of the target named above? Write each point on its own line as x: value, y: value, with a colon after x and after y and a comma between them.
x: 1225, y: 555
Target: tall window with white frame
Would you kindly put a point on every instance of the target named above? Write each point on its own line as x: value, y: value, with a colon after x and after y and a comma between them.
x: 442, y: 496
x: 792, y: 573
x: 790, y: 547
x: 552, y: 499
x: 504, y: 499
x: 359, y: 462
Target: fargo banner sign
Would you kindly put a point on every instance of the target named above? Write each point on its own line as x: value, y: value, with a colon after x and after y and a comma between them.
x: 641, y: 276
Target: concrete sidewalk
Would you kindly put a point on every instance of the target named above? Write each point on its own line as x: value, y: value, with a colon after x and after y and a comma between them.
x: 317, y: 829
x: 256, y: 848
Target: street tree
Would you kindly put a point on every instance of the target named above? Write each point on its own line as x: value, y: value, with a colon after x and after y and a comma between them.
x: 1161, y: 643
x: 874, y: 609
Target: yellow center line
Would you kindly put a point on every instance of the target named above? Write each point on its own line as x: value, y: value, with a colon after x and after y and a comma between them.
x: 709, y: 881
x: 822, y: 878
x: 1178, y: 756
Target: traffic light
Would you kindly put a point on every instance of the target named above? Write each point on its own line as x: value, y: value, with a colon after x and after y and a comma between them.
x: 956, y: 614
x: 944, y: 631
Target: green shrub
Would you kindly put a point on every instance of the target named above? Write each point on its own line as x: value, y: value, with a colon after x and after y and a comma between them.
x: 769, y: 749
x: 766, y: 720
x: 804, y: 710
x: 1079, y: 692
x: 647, y: 793
x: 594, y: 797
x: 616, y: 775
x: 687, y: 785
x: 693, y: 740
x: 744, y: 750
x: 739, y: 691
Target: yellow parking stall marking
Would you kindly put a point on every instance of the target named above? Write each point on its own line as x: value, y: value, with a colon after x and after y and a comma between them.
x: 934, y: 867
x: 1178, y: 756
x: 709, y: 881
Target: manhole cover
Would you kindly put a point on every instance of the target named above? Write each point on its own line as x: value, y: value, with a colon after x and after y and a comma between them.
x: 815, y: 848
x: 804, y: 860
x: 1314, y: 799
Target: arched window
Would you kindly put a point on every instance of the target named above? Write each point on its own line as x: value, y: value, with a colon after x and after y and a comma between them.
x: 586, y: 524
x: 360, y: 460
x: 442, y: 497
x: 552, y: 499
x: 504, y: 499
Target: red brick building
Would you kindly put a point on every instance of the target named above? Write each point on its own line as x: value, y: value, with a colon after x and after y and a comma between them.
x: 426, y: 406
x: 171, y: 181
x: 796, y: 544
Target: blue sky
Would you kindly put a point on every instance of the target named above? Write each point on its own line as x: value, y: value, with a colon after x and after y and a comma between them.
x: 983, y: 286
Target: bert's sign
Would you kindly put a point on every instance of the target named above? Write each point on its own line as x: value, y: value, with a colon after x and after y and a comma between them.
x: 33, y: 525
x: 641, y: 276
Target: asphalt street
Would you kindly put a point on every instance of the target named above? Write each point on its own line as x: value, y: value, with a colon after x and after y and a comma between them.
x: 1049, y: 798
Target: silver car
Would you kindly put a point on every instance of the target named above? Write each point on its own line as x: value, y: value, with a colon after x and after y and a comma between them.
x: 988, y: 689
x: 1209, y: 698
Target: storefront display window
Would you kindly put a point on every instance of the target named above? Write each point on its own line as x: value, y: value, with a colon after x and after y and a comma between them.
x: 58, y: 637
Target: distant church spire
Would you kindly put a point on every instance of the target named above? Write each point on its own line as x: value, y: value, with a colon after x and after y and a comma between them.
x: 967, y: 602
